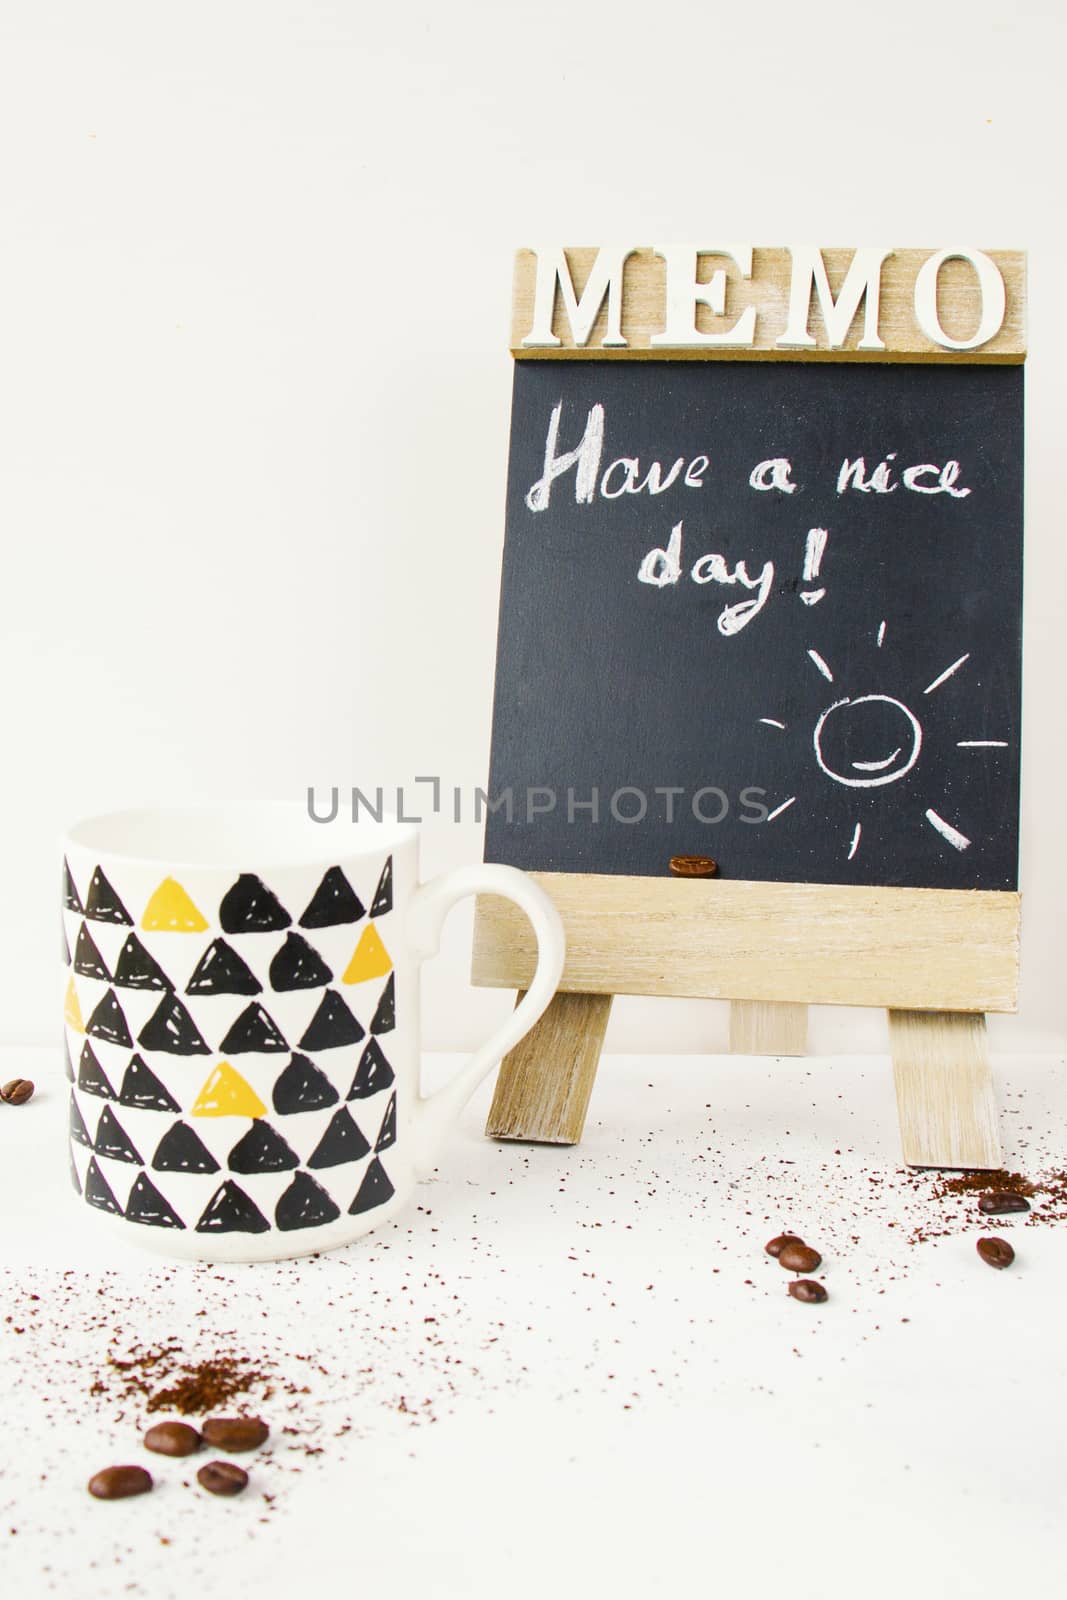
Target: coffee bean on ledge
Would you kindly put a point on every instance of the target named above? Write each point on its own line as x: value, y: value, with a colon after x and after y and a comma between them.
x: 172, y: 1439
x: 119, y: 1483
x: 235, y: 1433
x: 775, y: 1246
x: 806, y: 1289
x: 17, y: 1091
x: 1001, y: 1205
x: 799, y: 1257
x: 693, y: 867
x: 222, y: 1477
x: 995, y: 1252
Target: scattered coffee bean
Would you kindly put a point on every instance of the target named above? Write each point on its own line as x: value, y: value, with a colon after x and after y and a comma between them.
x: 806, y: 1289
x: 798, y: 1257
x: 222, y: 1477
x: 119, y: 1483
x: 235, y: 1433
x: 995, y: 1252
x: 17, y: 1091
x: 999, y: 1205
x: 693, y: 867
x: 172, y: 1439
x: 775, y: 1246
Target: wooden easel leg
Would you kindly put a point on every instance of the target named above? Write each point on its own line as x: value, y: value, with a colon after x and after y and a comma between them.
x: 945, y: 1100
x: 768, y: 1028
x: 542, y: 1092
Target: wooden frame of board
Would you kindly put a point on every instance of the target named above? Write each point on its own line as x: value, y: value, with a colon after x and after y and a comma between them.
x: 936, y: 959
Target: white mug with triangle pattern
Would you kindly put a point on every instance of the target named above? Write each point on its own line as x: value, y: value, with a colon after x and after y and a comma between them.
x: 241, y: 1006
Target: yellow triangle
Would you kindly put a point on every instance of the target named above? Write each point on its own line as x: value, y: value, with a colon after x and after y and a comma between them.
x: 370, y: 958
x: 71, y: 1009
x: 170, y: 910
x: 226, y: 1094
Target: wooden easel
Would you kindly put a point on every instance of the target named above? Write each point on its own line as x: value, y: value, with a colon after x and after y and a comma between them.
x: 936, y: 960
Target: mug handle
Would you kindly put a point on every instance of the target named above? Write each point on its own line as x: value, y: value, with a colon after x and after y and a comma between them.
x: 427, y: 909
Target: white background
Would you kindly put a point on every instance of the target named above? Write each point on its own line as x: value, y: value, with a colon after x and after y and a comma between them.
x: 255, y: 266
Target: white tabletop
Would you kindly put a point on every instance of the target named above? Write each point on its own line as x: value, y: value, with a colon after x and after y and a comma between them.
x: 573, y: 1371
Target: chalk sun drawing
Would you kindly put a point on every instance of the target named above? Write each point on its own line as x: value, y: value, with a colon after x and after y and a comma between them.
x: 839, y: 727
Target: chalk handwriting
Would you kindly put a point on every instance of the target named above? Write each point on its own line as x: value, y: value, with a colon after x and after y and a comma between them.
x: 880, y: 481
x: 773, y: 474
x: 663, y: 566
x: 585, y: 457
x: 626, y: 475
x: 621, y: 476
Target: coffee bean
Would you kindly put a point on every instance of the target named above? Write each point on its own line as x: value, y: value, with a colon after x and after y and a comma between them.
x: 995, y: 1252
x: 806, y: 1289
x: 119, y: 1483
x: 235, y: 1433
x: 775, y: 1246
x: 17, y: 1091
x: 172, y: 1439
x: 693, y: 867
x: 798, y: 1257
x: 999, y: 1205
x: 222, y: 1477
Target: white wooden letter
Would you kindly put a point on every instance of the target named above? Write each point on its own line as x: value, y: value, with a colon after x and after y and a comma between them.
x: 684, y: 293
x: 863, y: 281
x: 991, y: 287
x: 605, y: 278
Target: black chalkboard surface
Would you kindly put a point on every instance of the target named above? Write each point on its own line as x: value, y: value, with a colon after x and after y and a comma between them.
x: 817, y: 678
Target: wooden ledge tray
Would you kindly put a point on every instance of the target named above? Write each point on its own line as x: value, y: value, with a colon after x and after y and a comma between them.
x: 913, y: 949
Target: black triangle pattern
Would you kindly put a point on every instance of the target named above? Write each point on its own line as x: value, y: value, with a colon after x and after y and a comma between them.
x: 75, y: 1180
x: 231, y: 1211
x: 137, y: 968
x: 302, y: 1087
x: 253, y: 1030
x: 143, y: 1090
x: 171, y: 1028
x: 375, y: 1189
x: 88, y: 962
x: 333, y: 903
x: 387, y: 1131
x: 98, y: 1190
x: 182, y: 1150
x: 78, y: 1131
x: 70, y: 893
x: 92, y: 1079
x: 372, y: 1074
x: 384, y: 1018
x: 113, y: 1140
x: 332, y: 1025
x: 248, y: 906
x: 342, y: 1141
x: 221, y: 970
x: 64, y: 954
x: 383, y: 894
x: 305, y: 1204
x: 262, y: 1149
x: 102, y: 904
x: 298, y: 966
x: 68, y: 1065
x: 147, y: 1205
x: 108, y: 1022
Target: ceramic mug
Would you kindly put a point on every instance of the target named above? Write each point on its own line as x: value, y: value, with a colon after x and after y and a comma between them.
x: 242, y: 1023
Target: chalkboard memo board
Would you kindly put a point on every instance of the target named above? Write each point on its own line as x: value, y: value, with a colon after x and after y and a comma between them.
x: 761, y: 600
